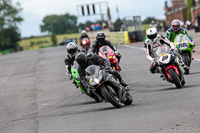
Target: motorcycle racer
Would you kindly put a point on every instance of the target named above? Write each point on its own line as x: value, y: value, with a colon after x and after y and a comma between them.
x: 72, y: 50
x: 86, y: 60
x: 175, y: 30
x: 84, y: 35
x: 153, y: 42
x: 100, y: 41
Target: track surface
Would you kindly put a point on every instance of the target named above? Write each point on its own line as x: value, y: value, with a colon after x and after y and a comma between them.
x: 37, y: 97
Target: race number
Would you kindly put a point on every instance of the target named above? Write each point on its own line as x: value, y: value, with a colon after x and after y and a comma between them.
x: 182, y: 46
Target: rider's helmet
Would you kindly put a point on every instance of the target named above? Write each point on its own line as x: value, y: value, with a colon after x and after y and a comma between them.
x: 176, y: 25
x: 72, y: 49
x: 81, y: 59
x: 152, y: 22
x: 100, y: 36
x: 152, y: 34
x: 83, y: 32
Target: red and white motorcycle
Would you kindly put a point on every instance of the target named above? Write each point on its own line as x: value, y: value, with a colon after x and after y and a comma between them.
x: 169, y: 66
x: 85, y: 44
x: 107, y: 53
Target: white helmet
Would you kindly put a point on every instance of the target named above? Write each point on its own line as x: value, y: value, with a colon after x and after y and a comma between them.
x: 152, y: 34
x: 83, y: 31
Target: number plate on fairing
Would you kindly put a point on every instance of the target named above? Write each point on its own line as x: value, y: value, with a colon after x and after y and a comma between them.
x: 182, y: 46
x: 165, y: 58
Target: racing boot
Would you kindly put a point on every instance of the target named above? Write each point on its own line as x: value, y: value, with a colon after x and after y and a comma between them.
x: 75, y: 84
x: 162, y: 77
x: 186, y: 68
x: 123, y: 83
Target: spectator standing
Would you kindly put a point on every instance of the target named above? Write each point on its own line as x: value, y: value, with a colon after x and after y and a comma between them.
x: 111, y: 25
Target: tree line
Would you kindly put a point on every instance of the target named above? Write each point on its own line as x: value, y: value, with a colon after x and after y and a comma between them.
x: 9, y: 20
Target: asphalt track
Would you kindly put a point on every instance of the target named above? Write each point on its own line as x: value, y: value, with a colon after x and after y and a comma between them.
x: 37, y: 97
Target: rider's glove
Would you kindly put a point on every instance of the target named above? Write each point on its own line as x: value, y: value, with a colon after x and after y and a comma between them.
x: 193, y: 43
x: 117, y: 52
x: 70, y: 77
x: 153, y: 62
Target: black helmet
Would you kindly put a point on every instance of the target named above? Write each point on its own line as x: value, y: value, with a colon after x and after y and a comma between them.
x: 100, y: 36
x: 72, y: 48
x: 81, y: 59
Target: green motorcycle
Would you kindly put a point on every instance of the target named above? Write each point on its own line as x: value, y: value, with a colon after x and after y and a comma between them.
x: 76, y: 77
x: 185, y: 46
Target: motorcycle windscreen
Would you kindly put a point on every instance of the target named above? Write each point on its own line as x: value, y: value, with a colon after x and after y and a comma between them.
x: 104, y: 49
x: 181, y: 38
x: 162, y: 50
x: 92, y: 71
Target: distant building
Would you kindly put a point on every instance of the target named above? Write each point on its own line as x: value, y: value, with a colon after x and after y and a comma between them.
x: 195, y: 10
x: 178, y: 10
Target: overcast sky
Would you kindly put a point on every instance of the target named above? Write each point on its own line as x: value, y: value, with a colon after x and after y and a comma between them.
x: 35, y: 10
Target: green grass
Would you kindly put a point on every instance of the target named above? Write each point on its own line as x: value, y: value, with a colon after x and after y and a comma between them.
x: 38, y: 42
x: 4, y: 52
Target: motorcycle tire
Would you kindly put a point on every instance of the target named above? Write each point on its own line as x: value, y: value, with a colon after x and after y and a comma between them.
x: 174, y: 78
x: 86, y: 48
x: 186, y: 60
x: 129, y: 99
x: 110, y: 97
x: 183, y: 82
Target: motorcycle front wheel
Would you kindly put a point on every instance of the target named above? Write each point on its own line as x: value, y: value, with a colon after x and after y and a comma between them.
x: 174, y: 78
x: 111, y: 96
x: 129, y: 99
x: 186, y: 60
x: 86, y: 48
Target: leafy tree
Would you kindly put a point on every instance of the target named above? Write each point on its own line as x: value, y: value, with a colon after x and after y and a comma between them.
x: 59, y: 24
x: 148, y: 20
x: 86, y: 24
x: 9, y: 20
x: 9, y: 38
x: 53, y: 39
x: 118, y: 24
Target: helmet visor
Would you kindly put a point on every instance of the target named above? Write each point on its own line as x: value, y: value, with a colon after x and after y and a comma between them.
x: 72, y: 51
x: 152, y: 36
x: 176, y: 27
x: 101, y: 39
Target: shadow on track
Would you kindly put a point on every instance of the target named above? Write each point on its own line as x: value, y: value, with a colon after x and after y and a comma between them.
x: 174, y: 88
x: 78, y: 104
x: 110, y: 108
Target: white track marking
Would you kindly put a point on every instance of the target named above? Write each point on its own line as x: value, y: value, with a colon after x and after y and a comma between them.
x: 143, y: 49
